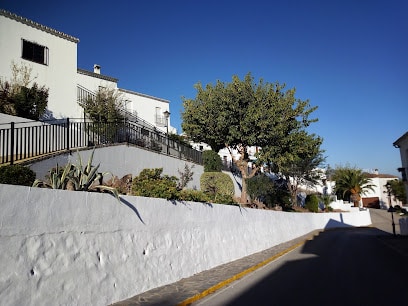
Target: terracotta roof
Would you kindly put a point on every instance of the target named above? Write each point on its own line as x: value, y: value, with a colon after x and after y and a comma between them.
x: 97, y: 75
x: 372, y: 175
x: 143, y: 95
x: 38, y: 26
x: 398, y: 141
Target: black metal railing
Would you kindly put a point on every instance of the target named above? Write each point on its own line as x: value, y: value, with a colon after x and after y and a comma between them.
x: 26, y: 140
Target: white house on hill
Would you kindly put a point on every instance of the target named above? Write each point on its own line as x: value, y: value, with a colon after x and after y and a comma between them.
x: 52, y: 56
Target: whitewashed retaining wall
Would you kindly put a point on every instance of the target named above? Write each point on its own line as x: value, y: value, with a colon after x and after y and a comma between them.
x: 403, y: 223
x: 121, y: 160
x: 65, y: 247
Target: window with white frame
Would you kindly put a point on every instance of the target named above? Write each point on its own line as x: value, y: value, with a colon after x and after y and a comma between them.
x: 34, y: 52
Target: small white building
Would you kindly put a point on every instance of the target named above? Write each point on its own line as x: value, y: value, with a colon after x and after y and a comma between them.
x: 52, y: 56
x: 378, y: 197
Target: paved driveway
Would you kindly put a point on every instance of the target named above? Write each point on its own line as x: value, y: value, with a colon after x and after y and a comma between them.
x: 381, y: 219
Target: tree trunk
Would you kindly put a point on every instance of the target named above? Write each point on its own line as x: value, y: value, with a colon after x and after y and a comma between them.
x: 355, y: 197
x: 244, y: 197
x: 242, y: 164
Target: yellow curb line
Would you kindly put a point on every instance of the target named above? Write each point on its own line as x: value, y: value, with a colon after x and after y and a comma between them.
x: 238, y: 276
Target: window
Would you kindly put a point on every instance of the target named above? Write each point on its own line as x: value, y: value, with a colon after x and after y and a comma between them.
x: 34, y: 52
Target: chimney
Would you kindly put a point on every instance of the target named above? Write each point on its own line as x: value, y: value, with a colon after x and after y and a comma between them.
x: 97, y: 69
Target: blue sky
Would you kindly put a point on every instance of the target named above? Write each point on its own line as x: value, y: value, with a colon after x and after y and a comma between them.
x: 349, y: 58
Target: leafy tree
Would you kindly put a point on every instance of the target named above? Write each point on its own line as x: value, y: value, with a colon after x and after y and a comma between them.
x: 180, y: 139
x: 105, y: 106
x: 261, y: 188
x: 297, y: 161
x: 398, y: 190
x: 351, y: 183
x: 31, y: 103
x: 6, y: 100
x: 106, y: 110
x: 212, y: 161
x: 242, y: 114
x: 19, y: 98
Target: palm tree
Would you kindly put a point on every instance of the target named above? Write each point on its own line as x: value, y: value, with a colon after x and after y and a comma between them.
x: 351, y: 183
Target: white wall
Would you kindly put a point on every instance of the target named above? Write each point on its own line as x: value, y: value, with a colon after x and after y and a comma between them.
x: 121, y: 160
x: 92, y: 83
x: 68, y: 248
x: 59, y: 76
x: 380, y: 191
x: 145, y: 106
x: 403, y: 148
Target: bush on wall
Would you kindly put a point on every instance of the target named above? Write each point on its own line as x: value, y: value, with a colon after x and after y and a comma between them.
x: 193, y: 195
x: 17, y: 175
x: 219, y: 187
x: 151, y: 183
x: 261, y: 188
x: 312, y: 203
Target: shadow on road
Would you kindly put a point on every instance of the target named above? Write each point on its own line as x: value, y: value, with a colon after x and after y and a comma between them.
x: 348, y: 266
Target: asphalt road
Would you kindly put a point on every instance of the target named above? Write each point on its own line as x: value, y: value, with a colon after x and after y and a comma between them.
x: 338, y: 267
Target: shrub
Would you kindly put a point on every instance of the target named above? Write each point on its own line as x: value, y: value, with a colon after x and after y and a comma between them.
x: 151, y: 183
x: 212, y: 161
x: 17, y: 175
x: 186, y: 176
x: 326, y: 199
x: 261, y: 188
x: 193, y: 195
x: 219, y: 186
x: 224, y: 199
x: 312, y: 203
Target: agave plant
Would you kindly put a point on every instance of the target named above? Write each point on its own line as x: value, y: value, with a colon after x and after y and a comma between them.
x: 57, y: 179
x: 77, y: 177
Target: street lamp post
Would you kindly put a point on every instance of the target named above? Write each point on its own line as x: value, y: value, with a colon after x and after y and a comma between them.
x: 167, y: 115
x: 391, y: 209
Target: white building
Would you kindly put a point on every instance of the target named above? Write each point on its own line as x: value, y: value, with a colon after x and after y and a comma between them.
x: 402, y: 144
x: 379, y: 195
x: 52, y: 56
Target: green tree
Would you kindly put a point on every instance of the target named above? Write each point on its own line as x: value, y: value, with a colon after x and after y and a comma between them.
x: 261, y: 188
x: 242, y: 114
x: 31, y: 103
x: 212, y: 161
x: 19, y: 98
x: 397, y: 189
x: 351, y: 183
x: 181, y: 139
x: 105, y: 106
x: 297, y: 160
